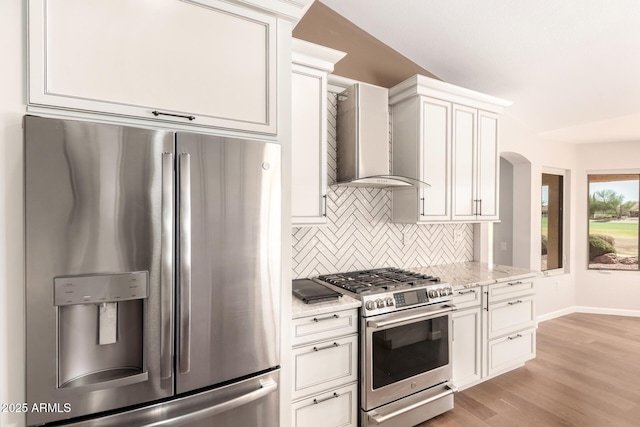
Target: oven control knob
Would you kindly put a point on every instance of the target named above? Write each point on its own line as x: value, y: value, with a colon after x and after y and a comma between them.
x: 449, y: 291
x: 380, y: 303
x: 433, y: 293
x: 389, y: 301
x: 370, y: 305
x: 442, y: 292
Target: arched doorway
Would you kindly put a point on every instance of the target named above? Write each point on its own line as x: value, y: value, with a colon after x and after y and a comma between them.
x: 512, y: 235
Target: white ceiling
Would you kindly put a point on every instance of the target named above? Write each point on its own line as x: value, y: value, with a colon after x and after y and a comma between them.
x: 571, y: 67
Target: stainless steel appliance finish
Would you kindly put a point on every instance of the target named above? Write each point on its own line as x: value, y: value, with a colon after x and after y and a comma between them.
x: 152, y: 268
x: 405, y: 337
x: 363, y: 139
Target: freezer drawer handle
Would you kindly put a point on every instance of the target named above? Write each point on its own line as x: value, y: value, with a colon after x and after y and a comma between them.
x: 381, y: 419
x: 182, y: 116
x: 316, y: 401
x: 335, y: 344
x: 266, y: 387
x: 318, y: 319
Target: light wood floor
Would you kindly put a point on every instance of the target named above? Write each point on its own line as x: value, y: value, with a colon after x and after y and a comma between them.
x: 587, y: 373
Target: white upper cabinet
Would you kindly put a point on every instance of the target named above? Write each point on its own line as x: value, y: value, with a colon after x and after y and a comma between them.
x: 311, y: 66
x: 445, y: 136
x: 205, y: 63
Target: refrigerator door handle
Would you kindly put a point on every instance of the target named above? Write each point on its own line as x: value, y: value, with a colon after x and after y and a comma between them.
x: 166, y: 272
x: 266, y: 387
x: 184, y: 362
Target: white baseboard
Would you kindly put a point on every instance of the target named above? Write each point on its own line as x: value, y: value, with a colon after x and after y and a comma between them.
x: 590, y: 310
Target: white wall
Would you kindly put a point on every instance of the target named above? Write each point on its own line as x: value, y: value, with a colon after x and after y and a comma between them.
x: 554, y: 293
x: 12, y: 108
x: 503, y: 231
x: 617, y: 290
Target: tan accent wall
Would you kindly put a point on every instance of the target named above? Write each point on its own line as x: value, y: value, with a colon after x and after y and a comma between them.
x: 368, y: 59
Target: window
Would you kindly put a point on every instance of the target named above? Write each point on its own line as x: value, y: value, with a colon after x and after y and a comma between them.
x: 552, y: 222
x: 613, y: 221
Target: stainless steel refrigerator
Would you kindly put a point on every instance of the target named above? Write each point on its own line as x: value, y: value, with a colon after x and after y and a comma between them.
x: 152, y: 276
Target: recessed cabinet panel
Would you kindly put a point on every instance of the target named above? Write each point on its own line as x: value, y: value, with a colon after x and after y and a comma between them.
x: 435, y: 160
x: 489, y: 183
x: 324, y: 365
x: 511, y: 315
x: 208, y: 59
x: 308, y: 147
x: 466, y: 344
x: 511, y: 351
x: 464, y: 164
x: 336, y: 408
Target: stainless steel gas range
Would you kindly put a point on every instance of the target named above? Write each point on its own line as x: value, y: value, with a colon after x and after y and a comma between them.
x: 405, y: 344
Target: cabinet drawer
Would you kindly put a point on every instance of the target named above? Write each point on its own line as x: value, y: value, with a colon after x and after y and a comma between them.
x: 511, y: 316
x: 324, y: 365
x: 511, y: 351
x: 506, y: 290
x: 324, y: 326
x: 337, y: 408
x: 464, y: 298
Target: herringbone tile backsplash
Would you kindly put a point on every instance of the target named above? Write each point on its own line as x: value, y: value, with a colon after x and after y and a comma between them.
x: 358, y: 234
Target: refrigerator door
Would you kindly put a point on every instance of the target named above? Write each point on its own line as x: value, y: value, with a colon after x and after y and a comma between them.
x: 99, y: 254
x: 228, y: 265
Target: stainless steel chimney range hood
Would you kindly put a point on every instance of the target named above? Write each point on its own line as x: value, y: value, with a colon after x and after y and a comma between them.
x: 363, y: 140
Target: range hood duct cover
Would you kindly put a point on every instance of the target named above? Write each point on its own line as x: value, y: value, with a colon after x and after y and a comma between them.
x: 363, y: 140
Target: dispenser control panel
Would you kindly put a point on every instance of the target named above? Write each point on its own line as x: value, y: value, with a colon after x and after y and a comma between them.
x: 100, y: 288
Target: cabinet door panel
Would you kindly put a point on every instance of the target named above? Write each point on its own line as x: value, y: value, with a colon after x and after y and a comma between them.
x: 324, y: 365
x: 308, y: 146
x: 331, y: 409
x: 467, y: 351
x: 488, y: 184
x: 464, y: 163
x: 208, y: 59
x: 435, y: 160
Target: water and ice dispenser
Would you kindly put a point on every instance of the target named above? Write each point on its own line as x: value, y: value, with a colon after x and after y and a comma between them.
x: 100, y: 328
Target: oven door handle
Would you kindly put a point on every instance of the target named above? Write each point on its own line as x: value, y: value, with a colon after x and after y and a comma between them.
x: 411, y: 317
x: 378, y: 419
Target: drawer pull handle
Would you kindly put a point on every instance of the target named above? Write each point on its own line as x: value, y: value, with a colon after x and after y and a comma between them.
x: 515, y: 302
x: 470, y: 291
x: 318, y: 319
x: 316, y: 401
x: 335, y: 344
x: 514, y: 283
x: 182, y: 116
x: 514, y: 337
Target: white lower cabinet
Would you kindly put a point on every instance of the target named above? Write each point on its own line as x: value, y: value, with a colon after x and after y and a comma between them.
x: 467, y: 347
x: 325, y: 370
x: 494, y: 330
x: 336, y: 408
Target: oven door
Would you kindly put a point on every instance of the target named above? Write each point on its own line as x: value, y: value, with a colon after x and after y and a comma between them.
x: 404, y: 353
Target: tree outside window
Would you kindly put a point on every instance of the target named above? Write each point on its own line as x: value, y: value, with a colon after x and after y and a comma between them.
x: 613, y: 221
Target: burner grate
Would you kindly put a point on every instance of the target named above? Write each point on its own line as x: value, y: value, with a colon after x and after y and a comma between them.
x: 380, y: 278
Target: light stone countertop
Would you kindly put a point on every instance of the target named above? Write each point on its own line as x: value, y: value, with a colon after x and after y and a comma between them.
x: 300, y: 309
x: 472, y: 274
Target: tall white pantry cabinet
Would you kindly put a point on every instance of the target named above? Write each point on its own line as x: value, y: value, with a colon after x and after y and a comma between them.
x: 446, y: 136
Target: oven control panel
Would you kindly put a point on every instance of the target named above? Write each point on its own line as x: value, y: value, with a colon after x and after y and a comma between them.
x: 392, y: 301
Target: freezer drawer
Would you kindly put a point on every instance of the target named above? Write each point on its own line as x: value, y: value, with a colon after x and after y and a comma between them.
x: 251, y: 402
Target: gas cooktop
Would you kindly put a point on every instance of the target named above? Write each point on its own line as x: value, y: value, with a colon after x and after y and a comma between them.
x: 377, y: 280
x: 385, y: 290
